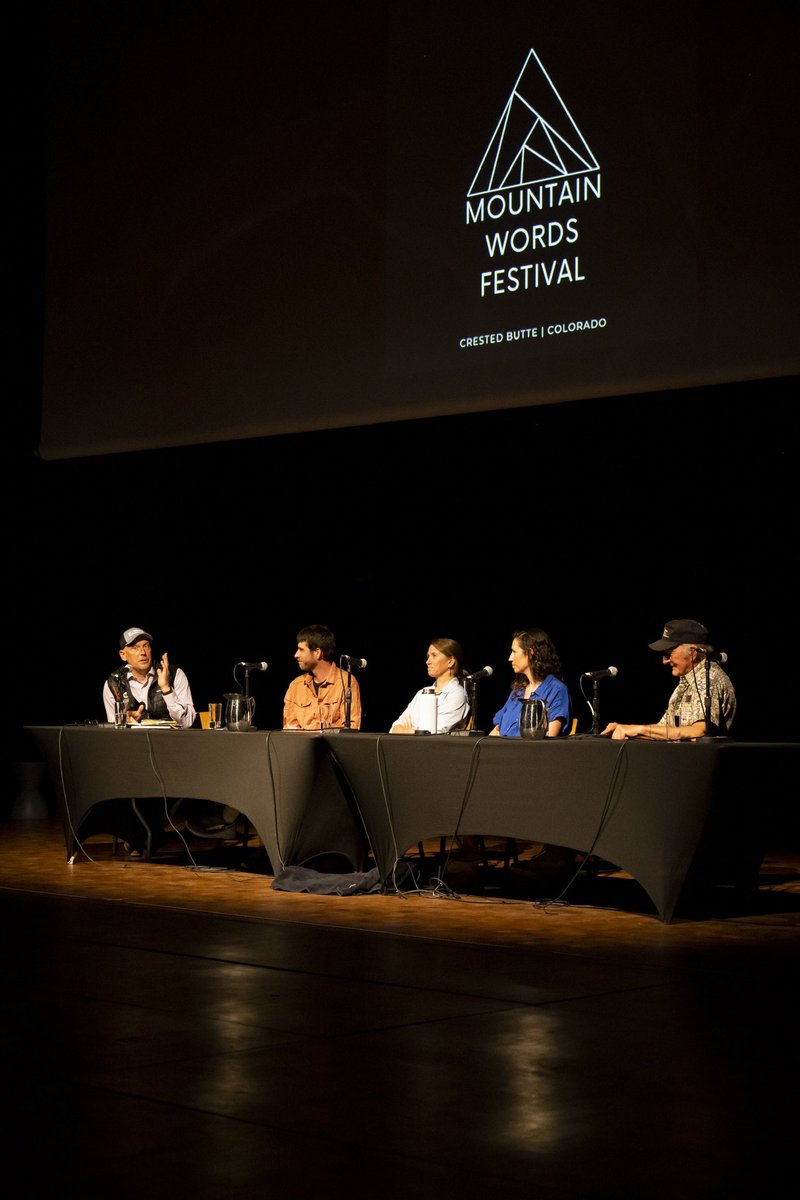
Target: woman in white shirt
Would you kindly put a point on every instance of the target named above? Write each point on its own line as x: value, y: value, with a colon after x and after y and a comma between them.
x: 444, y: 663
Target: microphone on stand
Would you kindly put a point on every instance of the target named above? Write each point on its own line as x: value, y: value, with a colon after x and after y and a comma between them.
x: 476, y: 675
x: 596, y: 676
x: 248, y: 667
x: 352, y: 662
x: 717, y: 656
x: 470, y: 683
x: 116, y: 678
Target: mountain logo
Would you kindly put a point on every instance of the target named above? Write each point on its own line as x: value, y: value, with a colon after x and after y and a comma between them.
x: 536, y: 141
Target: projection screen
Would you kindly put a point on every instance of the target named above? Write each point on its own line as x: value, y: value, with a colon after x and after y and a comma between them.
x: 268, y: 221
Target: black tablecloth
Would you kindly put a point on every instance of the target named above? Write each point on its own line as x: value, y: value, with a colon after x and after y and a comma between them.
x: 660, y: 811
x: 284, y: 783
x: 664, y: 813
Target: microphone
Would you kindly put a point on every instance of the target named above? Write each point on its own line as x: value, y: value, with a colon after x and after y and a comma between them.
x: 262, y: 666
x: 717, y: 656
x: 476, y: 675
x: 353, y: 662
x: 612, y: 671
x: 116, y: 678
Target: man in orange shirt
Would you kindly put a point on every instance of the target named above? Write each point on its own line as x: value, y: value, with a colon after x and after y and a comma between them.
x: 317, y: 699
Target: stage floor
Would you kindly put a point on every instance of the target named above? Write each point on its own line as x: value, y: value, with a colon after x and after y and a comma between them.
x: 193, y: 1031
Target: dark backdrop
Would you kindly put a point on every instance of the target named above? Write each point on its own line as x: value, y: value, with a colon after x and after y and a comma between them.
x: 597, y: 522
x: 597, y: 519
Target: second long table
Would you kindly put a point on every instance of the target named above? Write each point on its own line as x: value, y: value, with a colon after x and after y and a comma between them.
x: 660, y: 811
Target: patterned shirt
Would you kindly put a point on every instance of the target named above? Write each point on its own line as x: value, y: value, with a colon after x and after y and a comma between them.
x: 687, y: 703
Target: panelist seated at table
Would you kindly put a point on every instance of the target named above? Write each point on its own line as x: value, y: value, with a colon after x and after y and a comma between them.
x: 151, y: 690
x: 444, y: 662
x: 317, y: 699
x: 537, y: 673
x: 160, y: 691
x: 704, y: 690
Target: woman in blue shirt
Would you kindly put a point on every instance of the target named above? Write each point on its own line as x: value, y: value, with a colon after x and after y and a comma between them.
x: 537, y: 672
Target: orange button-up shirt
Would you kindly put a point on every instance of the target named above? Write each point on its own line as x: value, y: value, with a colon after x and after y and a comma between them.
x: 307, y: 707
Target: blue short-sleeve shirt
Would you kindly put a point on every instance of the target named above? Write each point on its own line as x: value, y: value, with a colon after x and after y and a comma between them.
x: 555, y: 694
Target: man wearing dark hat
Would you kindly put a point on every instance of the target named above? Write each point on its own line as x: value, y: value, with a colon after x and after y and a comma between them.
x: 704, y: 702
x: 157, y: 691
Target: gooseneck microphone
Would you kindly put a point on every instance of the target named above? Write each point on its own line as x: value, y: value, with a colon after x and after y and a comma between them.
x: 612, y: 671
x: 484, y: 671
x: 262, y: 666
x: 352, y: 662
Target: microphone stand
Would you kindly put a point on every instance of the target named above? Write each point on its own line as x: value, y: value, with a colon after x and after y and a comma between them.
x: 472, y: 697
x: 595, y: 708
x: 348, y: 692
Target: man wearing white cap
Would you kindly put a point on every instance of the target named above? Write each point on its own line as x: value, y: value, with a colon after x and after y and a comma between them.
x: 157, y: 691
x: 704, y: 702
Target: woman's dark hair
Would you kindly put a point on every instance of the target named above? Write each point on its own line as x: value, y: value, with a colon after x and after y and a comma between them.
x: 542, y: 656
x: 452, y: 650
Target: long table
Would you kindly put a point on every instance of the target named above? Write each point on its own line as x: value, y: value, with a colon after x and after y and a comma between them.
x: 664, y: 813
x: 284, y: 783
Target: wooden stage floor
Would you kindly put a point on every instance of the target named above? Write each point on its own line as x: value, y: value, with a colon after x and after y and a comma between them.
x: 194, y: 1032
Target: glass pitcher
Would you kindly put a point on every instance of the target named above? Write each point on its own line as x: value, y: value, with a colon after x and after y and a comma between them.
x: 239, y: 712
x: 533, y: 718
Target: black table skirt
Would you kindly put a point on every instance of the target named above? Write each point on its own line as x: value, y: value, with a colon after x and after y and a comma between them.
x: 665, y: 813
